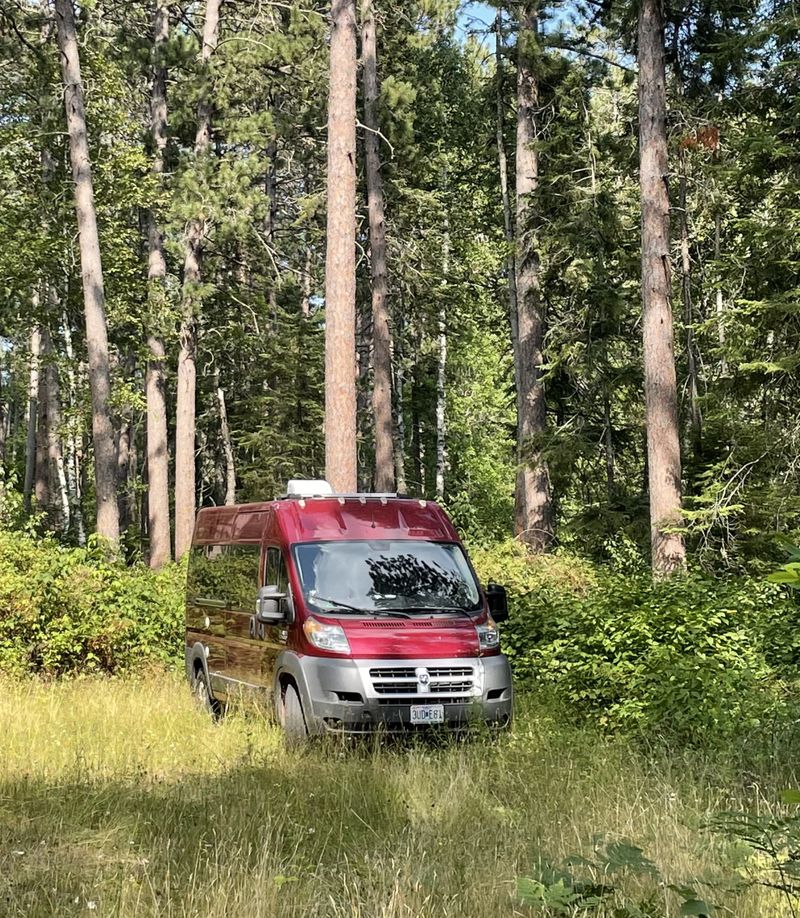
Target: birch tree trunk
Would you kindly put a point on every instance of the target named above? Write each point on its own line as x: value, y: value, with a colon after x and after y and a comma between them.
x: 340, y: 278
x: 720, y: 304
x: 158, y: 524
x: 55, y: 453
x: 33, y: 410
x: 73, y: 470
x: 688, y: 313
x: 225, y: 432
x: 660, y: 385
x: 533, y: 512
x: 41, y: 486
x: 92, y: 277
x: 381, y: 335
x: 187, y: 373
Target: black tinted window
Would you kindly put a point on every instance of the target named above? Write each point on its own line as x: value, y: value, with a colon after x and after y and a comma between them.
x: 224, y: 573
x: 276, y: 570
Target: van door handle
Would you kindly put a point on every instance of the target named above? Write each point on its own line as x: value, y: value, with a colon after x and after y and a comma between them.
x: 211, y: 603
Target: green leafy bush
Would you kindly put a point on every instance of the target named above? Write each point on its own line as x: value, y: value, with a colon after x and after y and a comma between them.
x: 696, y: 658
x: 67, y: 609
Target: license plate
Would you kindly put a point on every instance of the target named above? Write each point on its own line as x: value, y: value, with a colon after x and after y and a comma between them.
x: 427, y: 713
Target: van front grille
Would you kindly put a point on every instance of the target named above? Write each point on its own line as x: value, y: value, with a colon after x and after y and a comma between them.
x: 410, y: 682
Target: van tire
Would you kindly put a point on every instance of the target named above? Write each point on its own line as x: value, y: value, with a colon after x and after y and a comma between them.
x: 203, y: 695
x: 292, y: 719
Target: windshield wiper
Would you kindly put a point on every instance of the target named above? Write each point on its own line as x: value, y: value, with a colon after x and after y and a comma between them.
x: 338, y: 605
x: 342, y: 606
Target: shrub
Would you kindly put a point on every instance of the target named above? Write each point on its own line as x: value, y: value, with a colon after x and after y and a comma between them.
x: 690, y: 657
x: 68, y: 609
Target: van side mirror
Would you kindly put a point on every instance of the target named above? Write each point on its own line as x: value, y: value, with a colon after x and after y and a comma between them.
x: 497, y: 599
x: 269, y: 610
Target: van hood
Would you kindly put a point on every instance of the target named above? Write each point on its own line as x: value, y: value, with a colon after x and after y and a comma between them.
x: 410, y: 638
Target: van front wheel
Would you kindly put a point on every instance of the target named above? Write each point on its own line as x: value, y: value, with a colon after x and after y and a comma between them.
x: 203, y: 695
x: 292, y: 719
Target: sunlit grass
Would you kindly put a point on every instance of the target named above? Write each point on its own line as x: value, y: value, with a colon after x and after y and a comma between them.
x: 120, y: 798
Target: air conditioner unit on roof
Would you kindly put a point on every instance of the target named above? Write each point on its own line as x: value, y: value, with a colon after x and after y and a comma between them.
x: 308, y: 487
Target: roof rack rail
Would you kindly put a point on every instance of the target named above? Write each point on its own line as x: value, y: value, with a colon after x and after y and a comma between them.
x: 355, y: 495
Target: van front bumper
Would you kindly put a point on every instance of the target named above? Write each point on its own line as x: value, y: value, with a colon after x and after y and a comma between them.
x: 359, y: 696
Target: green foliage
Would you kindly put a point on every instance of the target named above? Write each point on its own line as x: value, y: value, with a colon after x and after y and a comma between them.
x: 694, y: 658
x: 72, y: 610
x: 584, y: 885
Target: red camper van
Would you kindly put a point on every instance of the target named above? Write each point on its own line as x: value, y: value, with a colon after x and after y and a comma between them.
x: 354, y: 611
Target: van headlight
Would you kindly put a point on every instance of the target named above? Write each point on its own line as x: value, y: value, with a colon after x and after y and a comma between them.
x: 488, y: 635
x: 326, y: 637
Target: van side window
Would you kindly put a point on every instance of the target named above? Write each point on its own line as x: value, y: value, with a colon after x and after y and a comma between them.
x: 204, y: 582
x: 224, y: 573
x: 276, y: 570
x: 241, y: 563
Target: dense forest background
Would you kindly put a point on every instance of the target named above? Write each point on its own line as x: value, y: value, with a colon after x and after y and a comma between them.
x: 446, y: 117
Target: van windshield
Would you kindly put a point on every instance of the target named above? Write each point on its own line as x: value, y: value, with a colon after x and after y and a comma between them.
x: 376, y: 576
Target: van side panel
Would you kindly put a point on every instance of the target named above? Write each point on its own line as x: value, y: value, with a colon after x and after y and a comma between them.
x: 205, y: 611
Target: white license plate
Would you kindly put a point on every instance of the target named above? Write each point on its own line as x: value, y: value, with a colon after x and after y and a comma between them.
x: 427, y: 713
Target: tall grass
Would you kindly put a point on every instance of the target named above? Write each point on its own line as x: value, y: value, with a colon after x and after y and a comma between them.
x: 120, y: 798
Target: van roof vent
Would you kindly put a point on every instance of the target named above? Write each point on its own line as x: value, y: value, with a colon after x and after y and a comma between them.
x: 308, y: 487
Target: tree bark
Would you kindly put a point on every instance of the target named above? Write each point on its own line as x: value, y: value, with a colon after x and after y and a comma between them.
x: 73, y: 470
x: 508, y: 222
x: 534, y: 516
x: 720, y: 304
x: 230, y: 465
x: 340, y: 286
x: 688, y: 314
x: 92, y: 277
x: 41, y: 487
x: 33, y: 410
x: 381, y: 336
x: 155, y: 385
x: 187, y: 372
x: 661, y: 396
x: 399, y: 428
x: 441, y: 369
x: 55, y: 453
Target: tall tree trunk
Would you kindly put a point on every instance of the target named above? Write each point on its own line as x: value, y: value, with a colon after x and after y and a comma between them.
x: 417, y: 448
x: 155, y: 386
x: 92, y: 277
x: 661, y: 396
x: 688, y: 312
x: 73, y: 470
x: 381, y: 340
x: 55, y: 454
x: 441, y: 369
x: 399, y: 428
x: 5, y: 412
x: 534, y: 515
x: 720, y: 304
x: 608, y: 443
x: 124, y: 496
x: 187, y: 373
x: 305, y: 302
x: 41, y: 486
x: 230, y: 466
x: 340, y: 277
x: 33, y: 410
x: 508, y: 221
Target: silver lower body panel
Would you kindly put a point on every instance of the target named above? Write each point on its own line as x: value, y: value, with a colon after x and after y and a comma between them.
x: 360, y: 696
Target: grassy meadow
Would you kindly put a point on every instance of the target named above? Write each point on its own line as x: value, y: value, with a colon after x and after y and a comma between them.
x: 119, y: 797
